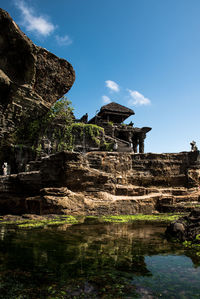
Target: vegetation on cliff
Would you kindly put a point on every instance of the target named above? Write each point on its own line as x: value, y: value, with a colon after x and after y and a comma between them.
x: 58, y: 126
x: 30, y: 132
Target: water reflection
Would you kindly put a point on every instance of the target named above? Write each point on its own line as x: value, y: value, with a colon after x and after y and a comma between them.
x: 2, y: 232
x: 90, y: 261
x: 172, y: 277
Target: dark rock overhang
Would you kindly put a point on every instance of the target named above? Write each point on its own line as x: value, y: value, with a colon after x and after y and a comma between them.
x: 31, y: 78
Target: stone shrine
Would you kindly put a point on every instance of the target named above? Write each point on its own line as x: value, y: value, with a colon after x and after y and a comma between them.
x: 127, y: 137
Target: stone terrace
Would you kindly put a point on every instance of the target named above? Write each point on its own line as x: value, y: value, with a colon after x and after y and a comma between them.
x: 104, y: 183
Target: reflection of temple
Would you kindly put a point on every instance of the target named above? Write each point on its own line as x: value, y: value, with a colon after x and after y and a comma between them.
x: 128, y: 137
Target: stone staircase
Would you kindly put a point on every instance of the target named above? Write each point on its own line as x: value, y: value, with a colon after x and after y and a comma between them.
x: 138, y: 199
x: 168, y: 200
x: 179, y: 203
x: 123, y: 146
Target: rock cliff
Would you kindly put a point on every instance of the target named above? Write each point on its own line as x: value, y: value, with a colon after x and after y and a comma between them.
x: 31, y: 78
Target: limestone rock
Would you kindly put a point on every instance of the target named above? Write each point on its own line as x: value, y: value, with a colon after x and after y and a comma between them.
x: 31, y: 78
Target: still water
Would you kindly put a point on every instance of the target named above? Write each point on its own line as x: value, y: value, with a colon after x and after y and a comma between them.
x: 96, y: 261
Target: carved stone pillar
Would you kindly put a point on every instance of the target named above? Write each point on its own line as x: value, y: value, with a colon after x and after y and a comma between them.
x: 141, y: 142
x: 135, y: 144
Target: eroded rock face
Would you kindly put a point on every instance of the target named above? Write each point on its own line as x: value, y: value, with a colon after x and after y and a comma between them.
x: 31, y: 78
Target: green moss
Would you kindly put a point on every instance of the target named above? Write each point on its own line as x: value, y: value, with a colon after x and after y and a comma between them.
x: 198, y: 237
x: 68, y: 219
x: 141, y: 217
x: 31, y: 225
x: 11, y: 222
x: 107, y: 146
x: 41, y: 223
x: 194, y: 245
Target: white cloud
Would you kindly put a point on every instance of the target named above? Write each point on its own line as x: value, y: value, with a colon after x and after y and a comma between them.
x: 63, y: 40
x: 33, y: 23
x: 106, y: 100
x: 137, y: 98
x: 113, y: 86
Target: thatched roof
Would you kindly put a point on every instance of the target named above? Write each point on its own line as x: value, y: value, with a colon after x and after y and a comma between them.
x: 114, y: 107
x: 119, y: 112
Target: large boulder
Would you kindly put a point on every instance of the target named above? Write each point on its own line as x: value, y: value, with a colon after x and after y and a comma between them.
x: 31, y: 78
x: 186, y: 228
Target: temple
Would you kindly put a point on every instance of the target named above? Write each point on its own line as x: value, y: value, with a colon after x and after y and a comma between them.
x: 127, y: 137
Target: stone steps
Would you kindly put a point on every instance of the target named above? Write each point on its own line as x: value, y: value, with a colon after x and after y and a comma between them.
x: 179, y: 208
x: 179, y: 203
x: 122, y: 189
x: 168, y: 199
x: 165, y: 200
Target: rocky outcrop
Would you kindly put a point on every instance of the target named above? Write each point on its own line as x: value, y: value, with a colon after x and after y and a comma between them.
x: 31, y: 78
x: 186, y: 228
x: 99, y: 183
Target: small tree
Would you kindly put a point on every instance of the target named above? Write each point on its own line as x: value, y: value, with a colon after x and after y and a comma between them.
x: 62, y: 110
x: 30, y: 132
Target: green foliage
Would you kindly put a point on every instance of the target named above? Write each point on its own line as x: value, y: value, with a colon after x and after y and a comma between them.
x: 91, y: 131
x: 107, y: 146
x: 62, y: 109
x: 187, y: 244
x: 64, y: 137
x: 39, y: 149
x: 59, y: 127
x: 198, y: 237
x: 30, y: 132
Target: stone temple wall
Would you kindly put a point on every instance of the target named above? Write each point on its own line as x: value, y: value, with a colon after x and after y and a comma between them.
x: 78, y: 172
x: 146, y: 169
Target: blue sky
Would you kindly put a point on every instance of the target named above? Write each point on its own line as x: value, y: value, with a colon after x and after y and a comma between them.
x: 144, y: 54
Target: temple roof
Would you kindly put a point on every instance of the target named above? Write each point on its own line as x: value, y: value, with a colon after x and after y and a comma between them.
x: 118, y: 112
x: 114, y: 107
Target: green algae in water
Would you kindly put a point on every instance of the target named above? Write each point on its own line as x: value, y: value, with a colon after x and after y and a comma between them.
x: 141, y: 217
x: 69, y: 219
x: 103, y: 260
x: 194, y: 246
x: 27, y: 223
